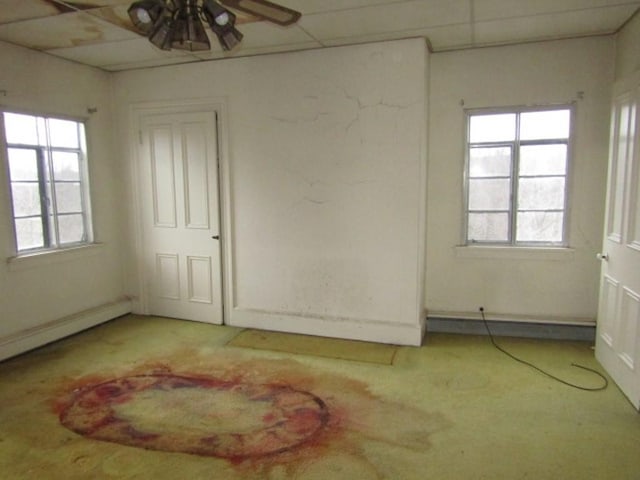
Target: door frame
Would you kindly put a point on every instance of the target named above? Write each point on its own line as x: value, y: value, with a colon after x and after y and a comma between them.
x: 139, y: 110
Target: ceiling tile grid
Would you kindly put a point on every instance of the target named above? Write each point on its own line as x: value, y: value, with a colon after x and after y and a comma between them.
x: 99, y: 32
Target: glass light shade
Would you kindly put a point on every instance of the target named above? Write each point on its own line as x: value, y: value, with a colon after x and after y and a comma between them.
x: 222, y: 23
x: 222, y: 19
x: 218, y: 17
x: 144, y: 14
x: 230, y: 38
x: 162, y: 34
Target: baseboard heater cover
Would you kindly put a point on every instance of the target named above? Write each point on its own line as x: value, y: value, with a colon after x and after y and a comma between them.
x: 551, y: 331
x: 38, y: 336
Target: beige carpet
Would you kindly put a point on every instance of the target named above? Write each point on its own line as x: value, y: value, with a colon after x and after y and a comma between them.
x: 159, y: 399
x: 315, y: 346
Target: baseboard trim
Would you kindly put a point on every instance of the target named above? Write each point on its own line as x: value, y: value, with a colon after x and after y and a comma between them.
x: 551, y: 331
x: 40, y: 335
x: 346, y: 328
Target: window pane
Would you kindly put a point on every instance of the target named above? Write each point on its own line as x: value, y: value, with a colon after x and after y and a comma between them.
x: 492, y: 128
x: 21, y: 129
x: 71, y: 228
x: 539, y: 227
x: 26, y: 199
x: 23, y: 164
x: 544, y: 193
x: 63, y: 133
x: 490, y: 162
x: 489, y: 194
x: 488, y: 227
x: 29, y: 233
x: 68, y: 197
x: 66, y: 165
x: 543, y: 159
x: 545, y: 125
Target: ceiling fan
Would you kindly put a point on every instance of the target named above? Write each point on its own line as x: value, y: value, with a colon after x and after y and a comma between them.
x: 178, y: 24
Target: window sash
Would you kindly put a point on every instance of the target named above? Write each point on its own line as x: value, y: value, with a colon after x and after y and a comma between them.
x: 73, y: 211
x: 514, y: 210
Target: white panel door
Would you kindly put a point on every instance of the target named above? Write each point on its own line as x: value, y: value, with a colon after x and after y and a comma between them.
x: 618, y: 330
x: 180, y: 215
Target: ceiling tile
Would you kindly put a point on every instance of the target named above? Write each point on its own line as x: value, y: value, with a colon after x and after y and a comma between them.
x: 440, y: 38
x: 264, y: 34
x: 83, y: 4
x: 14, y: 10
x: 276, y: 49
x: 130, y: 52
x: 318, y: 6
x: 116, y: 15
x: 262, y: 37
x: 69, y: 30
x: 496, y: 9
x: 561, y: 25
x: 388, y: 18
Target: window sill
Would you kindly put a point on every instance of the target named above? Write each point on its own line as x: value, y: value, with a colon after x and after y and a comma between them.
x: 50, y: 257
x: 515, y: 253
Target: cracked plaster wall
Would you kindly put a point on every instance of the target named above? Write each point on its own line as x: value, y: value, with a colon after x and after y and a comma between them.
x: 326, y: 174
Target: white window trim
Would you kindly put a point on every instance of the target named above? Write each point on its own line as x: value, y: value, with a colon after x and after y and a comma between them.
x: 26, y: 261
x: 507, y: 252
x: 529, y: 249
x: 36, y: 256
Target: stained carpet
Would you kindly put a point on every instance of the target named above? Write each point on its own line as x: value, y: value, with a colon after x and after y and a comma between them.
x: 161, y: 399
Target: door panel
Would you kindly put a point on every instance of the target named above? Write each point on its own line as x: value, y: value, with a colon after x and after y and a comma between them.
x: 618, y: 330
x: 179, y: 190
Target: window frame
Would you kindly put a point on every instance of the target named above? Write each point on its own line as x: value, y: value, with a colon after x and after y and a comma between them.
x: 47, y: 183
x: 514, y: 177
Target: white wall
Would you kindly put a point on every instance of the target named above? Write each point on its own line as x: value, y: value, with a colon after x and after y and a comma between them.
x: 38, y: 291
x: 628, y: 49
x: 531, y: 285
x: 325, y: 175
x: 365, y: 105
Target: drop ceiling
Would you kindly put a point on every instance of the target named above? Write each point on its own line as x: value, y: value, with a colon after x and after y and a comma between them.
x: 99, y: 33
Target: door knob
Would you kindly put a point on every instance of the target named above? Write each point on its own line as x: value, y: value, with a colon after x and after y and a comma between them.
x: 216, y: 237
x: 603, y: 256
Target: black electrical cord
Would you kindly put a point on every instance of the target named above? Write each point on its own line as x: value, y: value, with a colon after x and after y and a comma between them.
x: 524, y: 362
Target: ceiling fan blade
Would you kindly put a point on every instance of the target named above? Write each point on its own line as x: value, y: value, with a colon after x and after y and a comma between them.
x: 265, y: 10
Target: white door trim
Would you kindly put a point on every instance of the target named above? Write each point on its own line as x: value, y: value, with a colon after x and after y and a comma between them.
x: 136, y: 113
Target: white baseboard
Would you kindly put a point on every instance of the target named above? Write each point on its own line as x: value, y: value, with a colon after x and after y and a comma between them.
x: 346, y: 328
x: 34, y: 337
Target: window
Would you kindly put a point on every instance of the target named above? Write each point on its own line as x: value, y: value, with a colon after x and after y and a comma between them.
x: 47, y: 173
x: 516, y: 176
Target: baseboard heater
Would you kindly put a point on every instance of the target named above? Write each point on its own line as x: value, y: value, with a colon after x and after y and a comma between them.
x: 541, y: 330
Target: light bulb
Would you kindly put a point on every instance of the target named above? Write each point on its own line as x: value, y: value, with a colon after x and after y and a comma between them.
x: 143, y: 16
x: 222, y: 19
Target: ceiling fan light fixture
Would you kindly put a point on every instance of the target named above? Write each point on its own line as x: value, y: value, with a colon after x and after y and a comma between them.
x: 145, y: 13
x: 179, y: 23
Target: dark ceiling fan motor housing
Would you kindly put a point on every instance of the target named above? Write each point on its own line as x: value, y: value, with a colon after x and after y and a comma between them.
x: 178, y: 24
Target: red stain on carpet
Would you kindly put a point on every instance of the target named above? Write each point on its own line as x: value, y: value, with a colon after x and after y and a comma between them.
x: 260, y: 415
x: 119, y: 411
